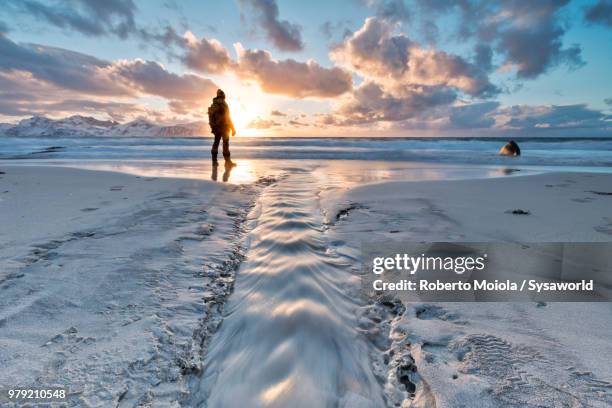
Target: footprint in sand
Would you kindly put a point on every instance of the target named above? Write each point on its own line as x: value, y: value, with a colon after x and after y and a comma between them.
x: 605, y: 228
x: 428, y: 312
x: 601, y: 387
x: 521, y: 374
x: 88, y: 209
x: 116, y: 188
x: 518, y: 211
x: 601, y: 193
x: 583, y: 200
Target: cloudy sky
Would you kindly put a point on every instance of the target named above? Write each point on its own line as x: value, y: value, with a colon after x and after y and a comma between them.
x: 321, y: 67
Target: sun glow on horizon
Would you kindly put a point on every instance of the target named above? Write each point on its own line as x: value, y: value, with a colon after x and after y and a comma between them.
x: 246, y: 103
x: 242, y: 116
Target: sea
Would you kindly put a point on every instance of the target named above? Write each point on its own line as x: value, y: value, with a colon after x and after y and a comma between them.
x: 401, y: 158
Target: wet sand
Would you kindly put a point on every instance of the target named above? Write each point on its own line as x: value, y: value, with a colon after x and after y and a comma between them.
x: 488, y: 354
x: 180, y: 291
x: 111, y: 283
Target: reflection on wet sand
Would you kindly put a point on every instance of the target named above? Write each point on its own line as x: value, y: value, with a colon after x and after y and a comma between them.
x: 226, y: 172
x: 337, y: 173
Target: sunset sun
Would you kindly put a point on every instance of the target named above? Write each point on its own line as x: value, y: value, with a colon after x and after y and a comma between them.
x: 243, y: 114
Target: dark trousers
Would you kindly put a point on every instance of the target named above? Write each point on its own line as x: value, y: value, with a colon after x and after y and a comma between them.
x: 215, y: 146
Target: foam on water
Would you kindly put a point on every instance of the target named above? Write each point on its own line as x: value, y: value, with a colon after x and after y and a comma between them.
x: 582, y: 152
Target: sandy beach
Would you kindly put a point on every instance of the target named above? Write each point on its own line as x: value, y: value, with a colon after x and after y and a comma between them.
x: 141, y: 290
x: 103, y: 275
x: 489, y: 354
x: 285, y: 204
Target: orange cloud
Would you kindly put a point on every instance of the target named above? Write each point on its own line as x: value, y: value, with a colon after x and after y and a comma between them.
x: 290, y: 77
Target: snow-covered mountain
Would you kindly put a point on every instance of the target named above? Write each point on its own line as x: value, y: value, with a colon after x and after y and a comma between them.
x: 85, y: 126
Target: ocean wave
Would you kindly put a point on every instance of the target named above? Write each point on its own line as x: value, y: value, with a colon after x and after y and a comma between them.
x: 595, y: 152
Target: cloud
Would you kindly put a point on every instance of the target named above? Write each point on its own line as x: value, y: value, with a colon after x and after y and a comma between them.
x: 297, y: 123
x: 21, y: 95
x: 555, y: 117
x: 88, y: 17
x: 392, y: 10
x: 164, y: 38
x: 283, y: 77
x: 61, y: 75
x: 552, y: 119
x: 95, y: 18
x: 289, y: 77
x: 405, y: 82
x: 532, y: 52
x: 64, y: 68
x: 483, y: 57
x: 395, y: 61
x: 438, y: 114
x: 284, y: 35
x: 206, y: 55
x: 89, y: 75
x: 608, y: 101
x: 527, y: 35
x: 152, y: 78
x: 467, y: 11
x: 374, y: 51
x: 261, y: 124
x: 116, y: 111
x: 370, y: 103
x: 330, y: 28
x: 476, y: 115
x: 599, y: 13
x: 3, y: 28
x: 277, y: 113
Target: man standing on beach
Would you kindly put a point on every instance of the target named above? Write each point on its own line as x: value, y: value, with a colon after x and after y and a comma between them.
x: 220, y: 124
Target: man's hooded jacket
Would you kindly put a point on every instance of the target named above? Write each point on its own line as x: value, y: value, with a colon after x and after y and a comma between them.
x: 219, y: 117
